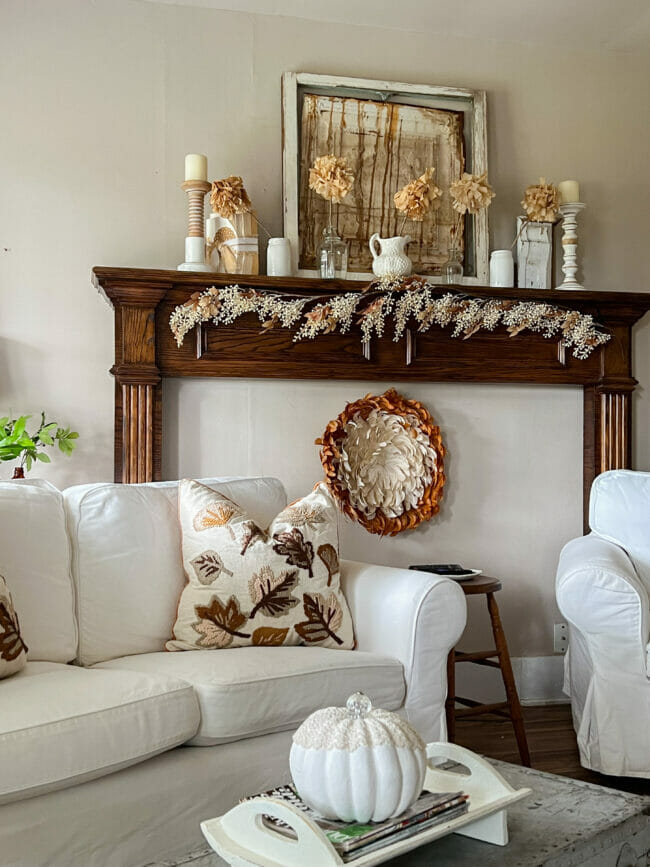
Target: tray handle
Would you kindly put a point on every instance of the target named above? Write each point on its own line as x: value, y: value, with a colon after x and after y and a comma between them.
x: 266, y: 846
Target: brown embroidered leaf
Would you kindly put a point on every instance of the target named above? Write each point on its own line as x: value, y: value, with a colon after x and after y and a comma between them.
x: 215, y: 514
x: 218, y: 622
x: 208, y: 566
x: 301, y: 515
x: 269, y: 636
x: 271, y: 594
x: 324, y: 616
x: 293, y: 546
x: 251, y: 533
x: 330, y: 558
x: 11, y: 644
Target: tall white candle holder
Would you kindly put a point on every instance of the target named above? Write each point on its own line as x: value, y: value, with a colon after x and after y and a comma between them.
x: 195, y: 241
x: 570, y: 211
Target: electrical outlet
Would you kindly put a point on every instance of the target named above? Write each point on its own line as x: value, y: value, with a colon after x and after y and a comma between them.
x: 560, y: 637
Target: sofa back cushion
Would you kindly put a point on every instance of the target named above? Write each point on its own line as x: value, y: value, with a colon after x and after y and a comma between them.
x: 35, y: 561
x: 619, y: 511
x: 126, y: 559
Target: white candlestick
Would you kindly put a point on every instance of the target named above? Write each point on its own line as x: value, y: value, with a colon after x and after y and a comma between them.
x: 570, y: 211
x: 196, y: 167
x: 569, y: 192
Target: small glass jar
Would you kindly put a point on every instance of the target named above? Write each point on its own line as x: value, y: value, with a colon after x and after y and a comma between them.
x: 452, y: 271
x: 278, y: 258
x: 332, y: 255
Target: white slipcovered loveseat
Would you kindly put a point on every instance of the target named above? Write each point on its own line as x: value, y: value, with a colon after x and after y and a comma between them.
x: 111, y: 749
x: 603, y: 585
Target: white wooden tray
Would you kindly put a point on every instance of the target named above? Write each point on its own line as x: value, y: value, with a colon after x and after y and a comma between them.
x: 243, y: 840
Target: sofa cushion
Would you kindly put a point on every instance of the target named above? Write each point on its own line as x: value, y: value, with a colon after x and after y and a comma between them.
x: 13, y: 650
x: 248, y: 585
x: 126, y: 559
x: 35, y: 561
x: 248, y: 691
x: 61, y: 725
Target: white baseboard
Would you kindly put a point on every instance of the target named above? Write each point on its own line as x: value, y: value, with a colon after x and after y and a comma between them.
x: 538, y: 678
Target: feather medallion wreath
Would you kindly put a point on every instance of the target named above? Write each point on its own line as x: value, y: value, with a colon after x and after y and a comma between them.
x: 383, y: 460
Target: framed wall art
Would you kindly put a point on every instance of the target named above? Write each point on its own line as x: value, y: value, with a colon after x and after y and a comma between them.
x: 389, y: 133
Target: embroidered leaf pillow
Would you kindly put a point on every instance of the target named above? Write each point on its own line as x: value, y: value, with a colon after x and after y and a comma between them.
x: 249, y: 586
x: 13, y: 650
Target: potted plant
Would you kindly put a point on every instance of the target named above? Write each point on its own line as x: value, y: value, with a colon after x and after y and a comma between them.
x: 17, y: 444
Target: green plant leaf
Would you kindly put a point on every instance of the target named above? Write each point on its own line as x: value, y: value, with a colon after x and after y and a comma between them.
x: 28, y: 462
x: 45, y: 438
x: 19, y: 425
x: 41, y: 456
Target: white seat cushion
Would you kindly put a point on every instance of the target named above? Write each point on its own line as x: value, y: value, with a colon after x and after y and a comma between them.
x: 249, y: 691
x: 126, y: 559
x: 61, y: 725
x: 35, y: 562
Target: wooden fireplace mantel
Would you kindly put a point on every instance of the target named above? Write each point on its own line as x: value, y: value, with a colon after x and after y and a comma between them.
x: 145, y: 353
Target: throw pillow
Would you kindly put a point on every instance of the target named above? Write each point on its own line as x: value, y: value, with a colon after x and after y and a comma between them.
x: 13, y: 650
x: 249, y: 586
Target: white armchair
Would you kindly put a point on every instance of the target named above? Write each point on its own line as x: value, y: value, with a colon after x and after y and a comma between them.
x: 603, y: 584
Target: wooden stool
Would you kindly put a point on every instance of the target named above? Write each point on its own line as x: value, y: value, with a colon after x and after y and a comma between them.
x: 511, y: 709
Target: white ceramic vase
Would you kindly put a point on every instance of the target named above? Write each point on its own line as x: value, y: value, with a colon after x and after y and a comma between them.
x: 389, y: 259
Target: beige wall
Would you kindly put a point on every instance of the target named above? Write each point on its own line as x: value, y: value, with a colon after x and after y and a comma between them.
x: 102, y: 99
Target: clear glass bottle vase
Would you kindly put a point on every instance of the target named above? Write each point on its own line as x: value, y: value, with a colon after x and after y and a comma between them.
x: 452, y: 271
x: 332, y: 253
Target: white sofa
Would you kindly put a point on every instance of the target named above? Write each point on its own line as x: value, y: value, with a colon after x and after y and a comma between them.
x: 603, y: 582
x: 112, y: 750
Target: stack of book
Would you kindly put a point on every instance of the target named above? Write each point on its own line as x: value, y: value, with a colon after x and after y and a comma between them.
x: 352, y: 839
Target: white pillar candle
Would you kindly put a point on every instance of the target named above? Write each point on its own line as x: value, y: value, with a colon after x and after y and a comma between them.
x: 196, y: 167
x: 569, y: 191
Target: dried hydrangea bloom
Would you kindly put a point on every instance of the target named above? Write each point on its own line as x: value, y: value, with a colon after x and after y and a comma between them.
x: 331, y: 178
x: 228, y: 197
x: 471, y: 193
x: 415, y: 199
x: 541, y: 202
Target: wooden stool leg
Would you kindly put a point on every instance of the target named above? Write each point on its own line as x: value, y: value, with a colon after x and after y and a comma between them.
x: 508, y: 680
x: 450, y: 701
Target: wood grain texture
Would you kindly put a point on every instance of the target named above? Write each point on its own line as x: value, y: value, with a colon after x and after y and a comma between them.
x: 146, y: 352
x: 552, y: 742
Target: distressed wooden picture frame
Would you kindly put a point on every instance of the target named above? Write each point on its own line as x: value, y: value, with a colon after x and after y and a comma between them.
x: 466, y: 110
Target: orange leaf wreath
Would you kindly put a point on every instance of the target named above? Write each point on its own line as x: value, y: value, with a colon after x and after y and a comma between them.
x: 418, y: 424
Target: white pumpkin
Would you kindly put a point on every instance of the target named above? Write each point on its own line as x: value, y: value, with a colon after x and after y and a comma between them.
x: 357, y: 764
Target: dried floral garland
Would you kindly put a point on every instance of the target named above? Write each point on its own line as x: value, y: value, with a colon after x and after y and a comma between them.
x: 383, y: 462
x: 410, y: 302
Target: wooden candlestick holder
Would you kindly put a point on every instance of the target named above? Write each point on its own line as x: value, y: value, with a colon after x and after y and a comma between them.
x: 570, y: 212
x: 195, y: 240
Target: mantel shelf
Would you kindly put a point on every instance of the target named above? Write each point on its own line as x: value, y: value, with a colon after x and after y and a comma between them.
x: 145, y: 353
x: 113, y: 281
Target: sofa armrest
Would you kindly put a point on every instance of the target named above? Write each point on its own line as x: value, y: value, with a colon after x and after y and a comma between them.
x: 416, y: 618
x: 599, y: 593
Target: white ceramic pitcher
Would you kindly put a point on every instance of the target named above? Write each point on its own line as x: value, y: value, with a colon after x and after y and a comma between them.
x: 389, y: 259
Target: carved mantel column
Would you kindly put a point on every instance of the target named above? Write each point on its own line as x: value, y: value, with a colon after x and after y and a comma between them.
x: 608, y: 411
x: 138, y: 383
